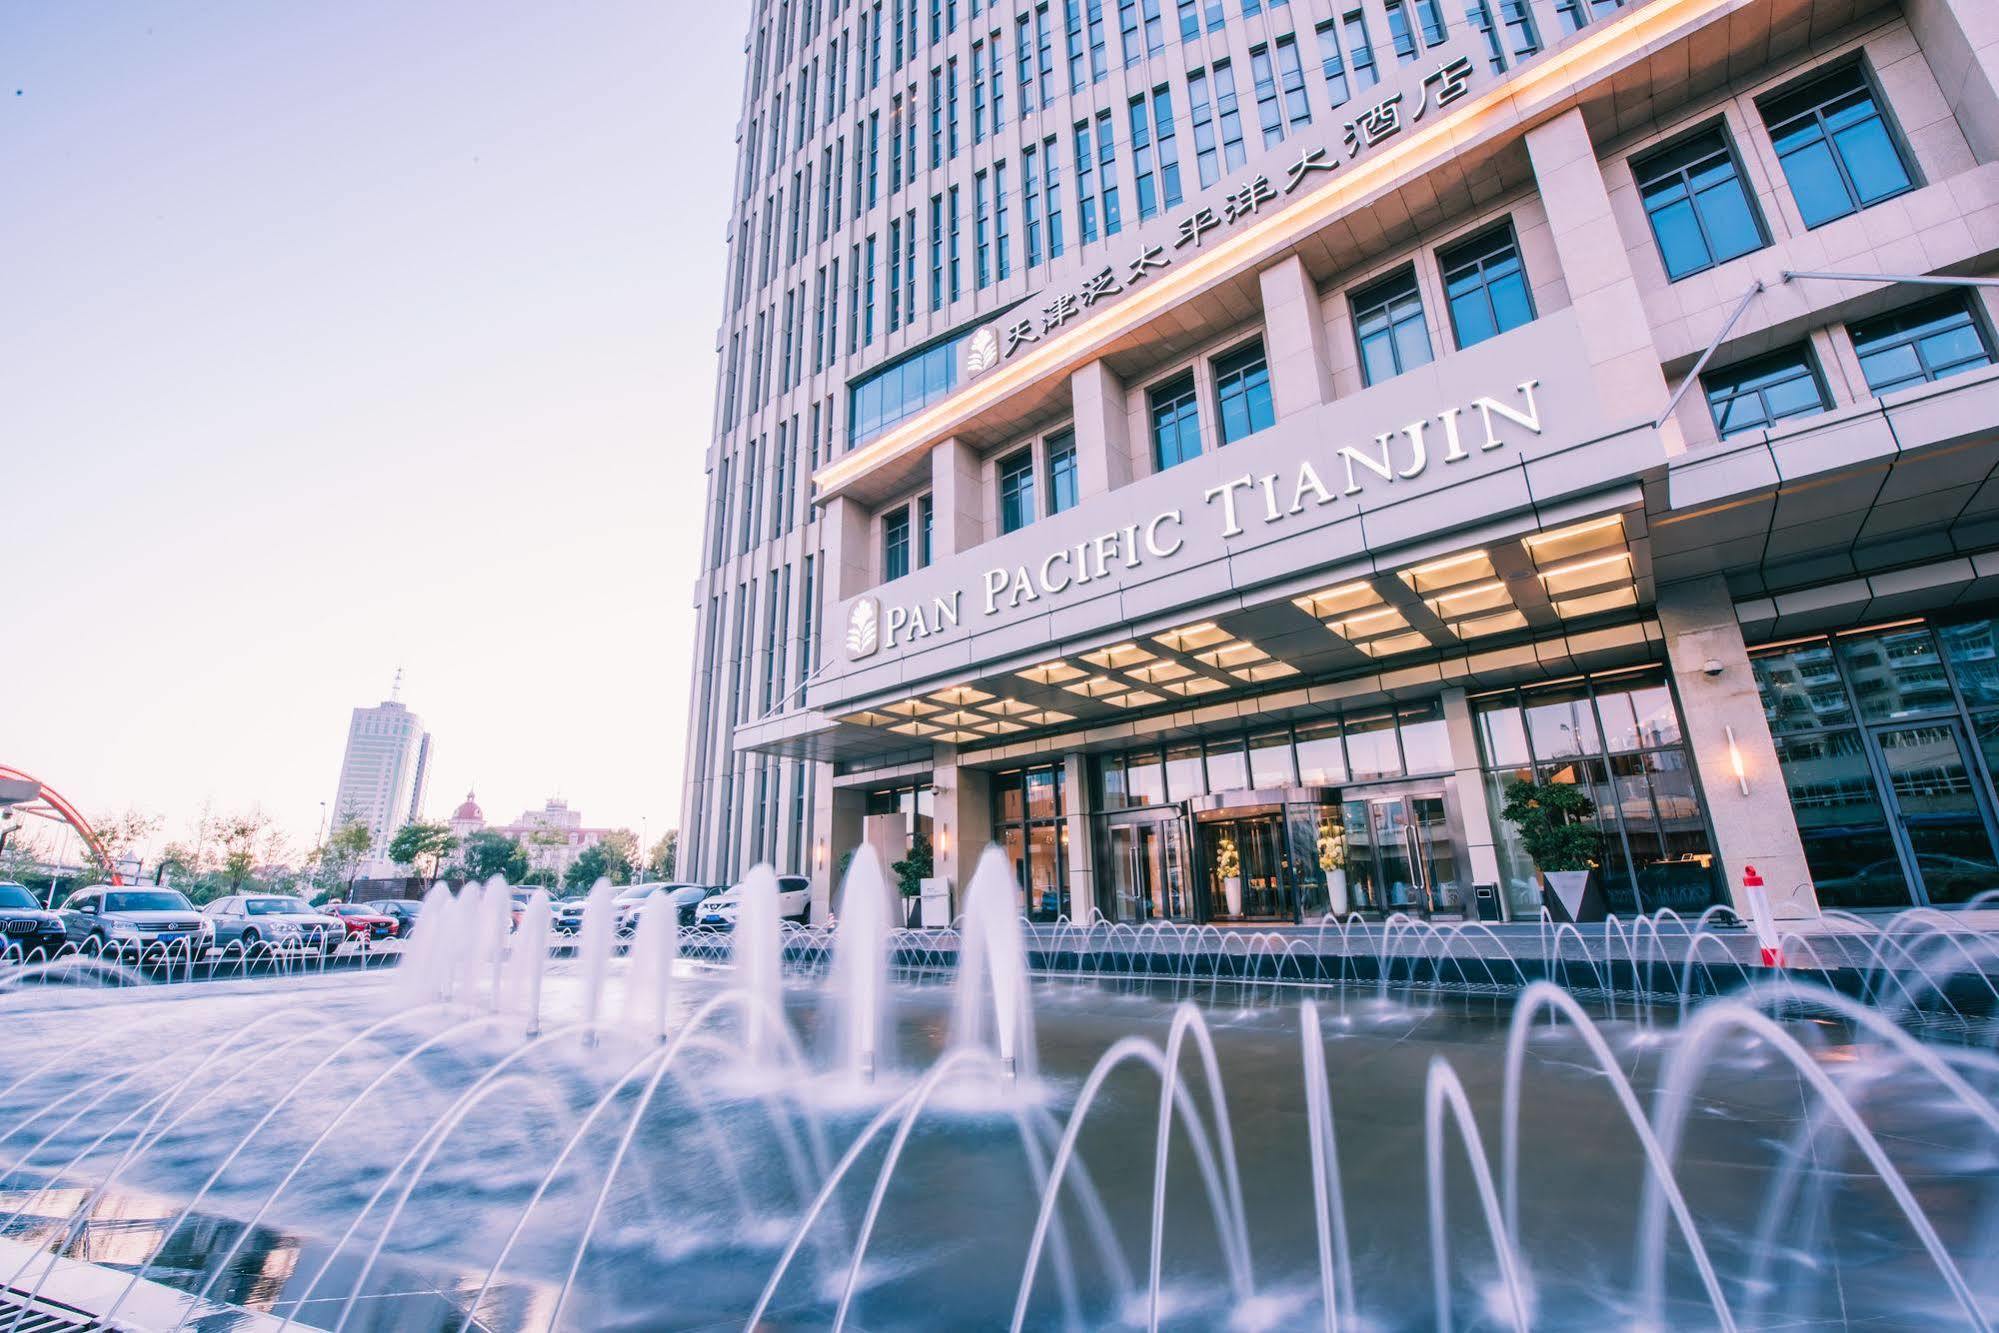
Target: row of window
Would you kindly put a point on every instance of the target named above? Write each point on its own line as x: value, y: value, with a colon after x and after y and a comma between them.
x: 1929, y: 340
x: 1839, y: 151
x: 1277, y: 72
x: 1373, y: 745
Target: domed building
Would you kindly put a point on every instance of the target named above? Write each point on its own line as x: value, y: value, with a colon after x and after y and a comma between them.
x: 468, y: 818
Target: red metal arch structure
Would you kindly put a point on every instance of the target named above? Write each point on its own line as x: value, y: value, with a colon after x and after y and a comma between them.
x: 52, y: 806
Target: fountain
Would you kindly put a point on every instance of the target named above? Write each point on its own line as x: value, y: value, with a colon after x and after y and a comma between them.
x: 1348, y: 1126
x: 992, y: 968
x: 860, y: 965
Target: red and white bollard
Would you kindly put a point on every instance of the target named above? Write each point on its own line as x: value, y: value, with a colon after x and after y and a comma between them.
x: 1760, y: 918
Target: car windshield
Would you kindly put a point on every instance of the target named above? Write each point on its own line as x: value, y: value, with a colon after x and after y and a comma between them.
x: 159, y: 900
x: 276, y: 907
x: 13, y: 895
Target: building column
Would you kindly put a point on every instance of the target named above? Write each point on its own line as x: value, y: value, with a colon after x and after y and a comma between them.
x: 1960, y: 41
x: 1103, y: 433
x: 1301, y: 372
x: 842, y: 809
x: 1076, y: 811
x: 1722, y: 720
x: 1603, y: 292
x: 961, y: 816
x: 958, y: 511
x: 1473, y: 807
x: 850, y: 563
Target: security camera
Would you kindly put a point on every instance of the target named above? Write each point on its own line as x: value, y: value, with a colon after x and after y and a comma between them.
x: 1711, y: 667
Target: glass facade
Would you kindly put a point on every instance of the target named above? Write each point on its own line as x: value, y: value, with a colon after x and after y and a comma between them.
x: 1618, y: 736
x: 1887, y: 739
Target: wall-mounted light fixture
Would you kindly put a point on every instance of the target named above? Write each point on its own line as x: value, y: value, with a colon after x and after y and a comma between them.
x: 819, y: 854
x: 1735, y: 761
x: 943, y: 841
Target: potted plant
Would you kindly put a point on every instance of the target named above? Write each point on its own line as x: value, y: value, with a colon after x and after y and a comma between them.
x: 911, y: 871
x: 1228, y: 869
x: 1333, y: 863
x: 1552, y: 819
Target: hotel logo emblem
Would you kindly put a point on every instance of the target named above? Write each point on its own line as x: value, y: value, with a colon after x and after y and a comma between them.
x: 864, y: 629
x: 982, y: 353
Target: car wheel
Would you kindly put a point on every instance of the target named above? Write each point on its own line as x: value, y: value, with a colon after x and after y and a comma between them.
x: 250, y: 940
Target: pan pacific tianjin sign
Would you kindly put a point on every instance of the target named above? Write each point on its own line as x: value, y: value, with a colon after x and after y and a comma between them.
x: 1457, y: 436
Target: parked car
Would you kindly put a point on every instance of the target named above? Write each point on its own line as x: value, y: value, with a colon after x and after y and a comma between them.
x: 251, y: 921
x: 139, y: 918
x: 794, y: 902
x: 404, y: 911
x: 25, y: 924
x: 362, y: 922
x: 567, y: 912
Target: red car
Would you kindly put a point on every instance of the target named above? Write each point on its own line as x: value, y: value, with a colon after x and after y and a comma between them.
x: 364, y: 923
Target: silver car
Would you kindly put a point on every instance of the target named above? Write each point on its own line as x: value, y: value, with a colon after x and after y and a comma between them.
x: 138, y: 919
x: 251, y: 921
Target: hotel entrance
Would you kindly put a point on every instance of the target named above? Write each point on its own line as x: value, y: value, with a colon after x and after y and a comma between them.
x: 1401, y: 856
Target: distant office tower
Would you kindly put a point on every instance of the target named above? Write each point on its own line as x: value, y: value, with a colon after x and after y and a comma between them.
x: 383, y: 773
x: 422, y: 783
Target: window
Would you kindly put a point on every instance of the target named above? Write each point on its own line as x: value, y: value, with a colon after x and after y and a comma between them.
x: 1485, y: 286
x: 1332, y: 67
x: 1242, y: 392
x: 1388, y: 323
x: 982, y: 270
x: 1202, y: 118
x: 1291, y: 77
x: 1930, y: 340
x: 1086, y: 166
x: 1107, y: 176
x: 1515, y: 18
x: 902, y: 388
x: 1360, y: 50
x: 926, y: 513
x: 1837, y: 148
x: 895, y: 544
x: 1229, y: 113
x: 1141, y: 160
x: 1700, y: 212
x: 1176, y: 422
x: 1267, y: 110
x: 1061, y: 471
x: 1016, y: 491
x: 1761, y: 392
x: 1576, y: 14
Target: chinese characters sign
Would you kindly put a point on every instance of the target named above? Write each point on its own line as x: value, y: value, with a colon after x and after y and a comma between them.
x: 1370, y: 128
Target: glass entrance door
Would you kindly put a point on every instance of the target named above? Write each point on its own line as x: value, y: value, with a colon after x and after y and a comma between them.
x: 1149, y: 875
x: 1401, y: 856
x: 1942, y: 822
x: 1245, y: 867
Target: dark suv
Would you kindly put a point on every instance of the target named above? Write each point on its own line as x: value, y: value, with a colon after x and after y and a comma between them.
x: 25, y: 926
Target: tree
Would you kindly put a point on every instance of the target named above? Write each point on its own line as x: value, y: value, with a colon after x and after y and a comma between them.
x: 486, y: 854
x: 344, y: 851
x: 415, y: 841
x: 246, y: 841
x: 124, y: 836
x: 609, y: 859
x: 915, y: 868
x: 1552, y: 818
x: 664, y: 857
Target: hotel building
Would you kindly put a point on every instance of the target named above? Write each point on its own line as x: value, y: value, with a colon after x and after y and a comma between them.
x: 1211, y: 447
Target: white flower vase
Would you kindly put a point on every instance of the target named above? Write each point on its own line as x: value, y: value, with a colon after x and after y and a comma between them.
x: 1232, y: 891
x: 1336, y: 894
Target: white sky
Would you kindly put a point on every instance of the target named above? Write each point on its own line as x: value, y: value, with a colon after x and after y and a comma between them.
x: 337, y: 338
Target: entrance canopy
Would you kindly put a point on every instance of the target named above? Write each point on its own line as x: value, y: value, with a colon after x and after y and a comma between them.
x: 1514, y: 594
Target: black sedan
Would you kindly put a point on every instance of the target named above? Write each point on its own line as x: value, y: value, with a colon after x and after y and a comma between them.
x: 404, y: 911
x: 25, y: 926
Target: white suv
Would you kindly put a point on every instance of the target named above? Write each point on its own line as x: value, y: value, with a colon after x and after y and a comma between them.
x: 794, y: 902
